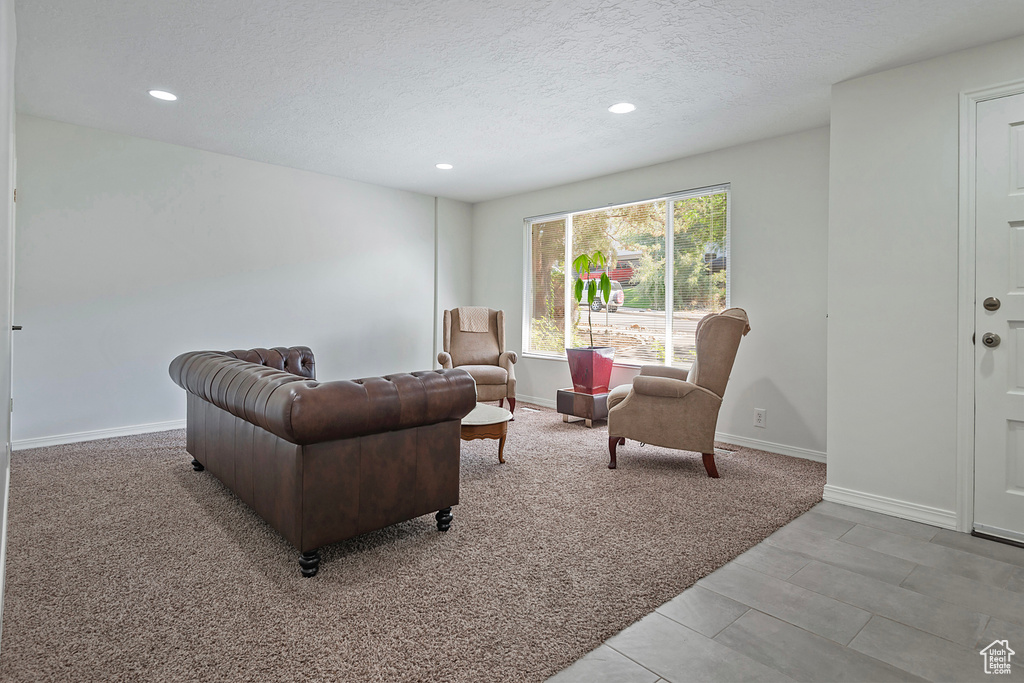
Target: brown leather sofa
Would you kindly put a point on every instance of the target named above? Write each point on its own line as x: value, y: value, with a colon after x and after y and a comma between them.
x: 323, y: 462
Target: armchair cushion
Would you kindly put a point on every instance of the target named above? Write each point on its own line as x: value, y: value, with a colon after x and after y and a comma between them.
x: 486, y: 374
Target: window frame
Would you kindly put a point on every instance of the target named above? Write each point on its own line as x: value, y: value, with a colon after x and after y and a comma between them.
x: 669, y: 199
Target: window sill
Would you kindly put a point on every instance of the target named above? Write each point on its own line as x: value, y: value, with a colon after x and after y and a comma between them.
x: 615, y: 364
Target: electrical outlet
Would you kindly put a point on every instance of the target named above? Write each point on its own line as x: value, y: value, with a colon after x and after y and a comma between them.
x: 760, y: 417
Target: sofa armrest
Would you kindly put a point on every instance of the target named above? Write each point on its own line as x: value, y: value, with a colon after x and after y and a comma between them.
x: 445, y: 360
x: 665, y: 387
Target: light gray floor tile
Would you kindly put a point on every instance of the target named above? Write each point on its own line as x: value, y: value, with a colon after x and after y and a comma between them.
x: 998, y: 629
x: 809, y: 610
x: 678, y: 654
x: 604, y: 665
x: 981, y: 597
x: 802, y: 655
x: 702, y: 610
x: 920, y: 653
x: 923, y: 612
x: 821, y: 524
x: 861, y: 560
x: 924, y: 532
x: 1016, y: 582
x: 772, y: 560
x: 941, y: 557
x: 980, y: 546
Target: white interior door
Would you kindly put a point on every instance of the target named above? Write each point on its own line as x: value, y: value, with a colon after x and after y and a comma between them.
x: 999, y: 319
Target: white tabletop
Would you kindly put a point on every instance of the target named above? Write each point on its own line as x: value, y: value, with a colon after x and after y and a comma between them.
x: 484, y: 414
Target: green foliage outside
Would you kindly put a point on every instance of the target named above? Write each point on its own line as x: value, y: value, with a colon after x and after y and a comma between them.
x: 700, y: 229
x: 589, y: 287
x: 699, y: 225
x: 699, y: 237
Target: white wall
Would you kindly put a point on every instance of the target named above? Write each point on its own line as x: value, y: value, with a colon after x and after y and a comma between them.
x: 454, y: 261
x: 7, y: 51
x: 779, y: 226
x: 132, y: 251
x: 893, y: 274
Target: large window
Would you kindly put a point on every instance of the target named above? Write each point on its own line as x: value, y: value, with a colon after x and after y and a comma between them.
x: 668, y: 259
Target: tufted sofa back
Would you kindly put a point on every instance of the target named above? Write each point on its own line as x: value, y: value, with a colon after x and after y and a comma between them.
x: 298, y: 360
x: 304, y: 411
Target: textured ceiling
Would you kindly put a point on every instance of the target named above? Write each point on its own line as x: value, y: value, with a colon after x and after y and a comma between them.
x: 513, y: 93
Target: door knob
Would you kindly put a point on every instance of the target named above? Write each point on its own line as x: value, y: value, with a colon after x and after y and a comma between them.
x: 990, y: 339
x: 991, y: 304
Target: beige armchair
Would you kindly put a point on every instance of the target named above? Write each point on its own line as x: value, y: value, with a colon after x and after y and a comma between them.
x: 474, y: 340
x: 673, y: 408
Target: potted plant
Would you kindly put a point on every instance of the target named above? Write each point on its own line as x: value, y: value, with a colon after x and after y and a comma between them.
x: 591, y: 366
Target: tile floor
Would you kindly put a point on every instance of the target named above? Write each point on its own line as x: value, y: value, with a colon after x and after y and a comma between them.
x: 838, y: 594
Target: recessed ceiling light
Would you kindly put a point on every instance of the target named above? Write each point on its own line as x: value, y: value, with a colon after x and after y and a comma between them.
x: 163, y: 95
x: 444, y: 167
x: 622, y: 108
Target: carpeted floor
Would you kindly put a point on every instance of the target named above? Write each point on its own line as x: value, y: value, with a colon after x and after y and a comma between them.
x: 124, y: 564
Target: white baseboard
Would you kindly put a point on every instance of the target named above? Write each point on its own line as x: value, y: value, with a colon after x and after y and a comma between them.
x: 891, y: 506
x: 779, y: 448
x: 545, y: 402
x: 75, y: 437
x: 782, y: 449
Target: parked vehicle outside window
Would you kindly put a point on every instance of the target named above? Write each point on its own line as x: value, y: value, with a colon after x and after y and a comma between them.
x: 617, y: 297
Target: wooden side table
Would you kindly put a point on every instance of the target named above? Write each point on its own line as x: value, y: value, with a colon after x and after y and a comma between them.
x: 487, y: 422
x: 590, y: 407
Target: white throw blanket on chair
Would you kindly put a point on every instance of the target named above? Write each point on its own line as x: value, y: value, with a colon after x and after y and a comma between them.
x: 473, y: 319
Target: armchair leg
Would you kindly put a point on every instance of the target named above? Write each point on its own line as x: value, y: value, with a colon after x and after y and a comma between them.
x: 709, y: 465
x: 614, y: 441
x: 512, y: 406
x: 197, y: 466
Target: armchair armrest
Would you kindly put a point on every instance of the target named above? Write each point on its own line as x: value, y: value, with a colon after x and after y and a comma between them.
x: 664, y: 371
x: 665, y: 387
x: 506, y: 360
x: 445, y: 359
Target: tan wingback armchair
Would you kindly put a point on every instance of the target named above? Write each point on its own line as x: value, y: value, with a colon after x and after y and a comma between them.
x: 482, y: 354
x: 674, y: 408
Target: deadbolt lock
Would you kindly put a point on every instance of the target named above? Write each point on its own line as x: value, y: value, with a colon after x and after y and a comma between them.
x: 991, y: 304
x: 990, y: 339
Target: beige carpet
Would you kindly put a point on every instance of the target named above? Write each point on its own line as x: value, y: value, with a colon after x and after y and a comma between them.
x: 124, y: 564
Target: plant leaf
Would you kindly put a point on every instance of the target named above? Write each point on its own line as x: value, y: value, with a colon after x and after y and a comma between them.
x: 591, y: 290
x: 581, y: 264
x: 578, y: 288
x: 606, y: 287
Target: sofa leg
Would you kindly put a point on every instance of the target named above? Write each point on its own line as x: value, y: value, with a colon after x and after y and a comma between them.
x: 444, y: 519
x: 197, y: 466
x: 709, y: 465
x: 614, y: 441
x: 310, y: 562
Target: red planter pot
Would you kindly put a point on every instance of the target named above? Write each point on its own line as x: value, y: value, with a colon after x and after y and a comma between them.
x: 591, y: 368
